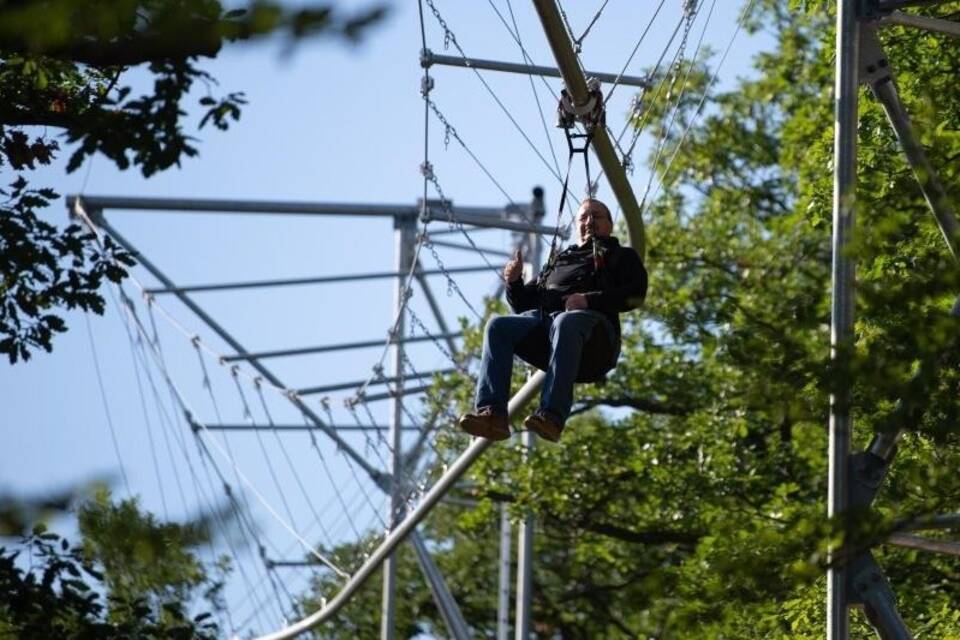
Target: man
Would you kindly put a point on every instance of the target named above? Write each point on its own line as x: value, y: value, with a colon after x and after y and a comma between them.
x: 566, y: 322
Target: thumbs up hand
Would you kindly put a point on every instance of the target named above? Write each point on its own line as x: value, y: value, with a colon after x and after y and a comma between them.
x: 513, y: 270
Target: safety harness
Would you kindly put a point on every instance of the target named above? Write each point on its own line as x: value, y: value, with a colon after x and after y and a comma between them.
x: 591, y: 115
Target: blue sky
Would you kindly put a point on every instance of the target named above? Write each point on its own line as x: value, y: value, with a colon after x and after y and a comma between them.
x: 332, y: 123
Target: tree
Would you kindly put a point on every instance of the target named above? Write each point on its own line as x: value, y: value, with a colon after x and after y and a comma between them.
x: 701, y: 513
x: 130, y: 577
x: 62, y: 66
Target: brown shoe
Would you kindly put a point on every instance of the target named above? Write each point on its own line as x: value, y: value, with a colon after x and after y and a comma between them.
x: 544, y: 425
x: 486, y: 424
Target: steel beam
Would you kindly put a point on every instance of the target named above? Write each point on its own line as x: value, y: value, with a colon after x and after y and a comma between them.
x: 449, y: 610
x: 267, y: 207
x: 428, y: 58
x: 298, y: 427
x: 503, y: 573
x: 577, y: 86
x: 842, y: 300
x: 396, y: 393
x: 405, y: 527
x: 435, y: 211
x: 924, y: 544
x: 344, y: 346
x: 289, y: 282
x: 467, y: 247
x: 938, y: 25
x: 868, y: 587
x: 405, y: 232
x: 879, y: 76
x: 890, y: 5
x: 941, y: 521
x: 341, y: 386
x: 524, y: 596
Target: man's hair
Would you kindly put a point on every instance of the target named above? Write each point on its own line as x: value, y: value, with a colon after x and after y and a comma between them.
x: 594, y: 202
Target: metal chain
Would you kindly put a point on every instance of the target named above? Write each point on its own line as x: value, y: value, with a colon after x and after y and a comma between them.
x: 451, y: 131
x: 636, y: 48
x: 436, y: 341
x: 685, y: 23
x: 450, y: 37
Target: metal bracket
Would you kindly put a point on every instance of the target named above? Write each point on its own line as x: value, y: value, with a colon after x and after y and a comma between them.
x: 874, y: 65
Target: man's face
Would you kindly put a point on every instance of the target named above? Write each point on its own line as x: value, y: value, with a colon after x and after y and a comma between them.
x: 593, y: 220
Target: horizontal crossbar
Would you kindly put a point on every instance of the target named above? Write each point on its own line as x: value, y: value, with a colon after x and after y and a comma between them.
x: 301, y: 427
x: 344, y: 346
x: 341, y: 386
x: 256, y: 284
x: 428, y: 58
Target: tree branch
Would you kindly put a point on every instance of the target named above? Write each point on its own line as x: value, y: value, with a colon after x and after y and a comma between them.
x: 649, y: 537
x: 646, y: 405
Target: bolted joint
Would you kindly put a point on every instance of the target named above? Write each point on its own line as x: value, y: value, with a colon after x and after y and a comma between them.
x: 874, y: 65
x: 426, y: 58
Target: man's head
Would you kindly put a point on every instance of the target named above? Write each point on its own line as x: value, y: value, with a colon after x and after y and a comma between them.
x: 593, y: 220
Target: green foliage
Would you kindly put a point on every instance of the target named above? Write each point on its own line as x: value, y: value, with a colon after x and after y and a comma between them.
x: 45, y: 268
x: 61, y: 66
x: 700, y: 513
x: 131, y: 577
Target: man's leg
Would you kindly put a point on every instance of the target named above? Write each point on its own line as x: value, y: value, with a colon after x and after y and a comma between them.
x: 569, y: 331
x: 496, y: 366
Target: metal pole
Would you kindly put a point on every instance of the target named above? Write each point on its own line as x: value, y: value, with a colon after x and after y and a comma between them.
x: 428, y: 58
x: 405, y: 233
x: 252, y: 428
x: 449, y: 610
x: 345, y: 346
x: 525, y: 531
x: 446, y: 482
x: 842, y: 307
x: 487, y: 215
x: 467, y: 247
x: 923, y: 22
x: 503, y: 590
x: 887, y: 5
x: 602, y: 146
x: 341, y: 386
x: 925, y: 544
x: 293, y: 282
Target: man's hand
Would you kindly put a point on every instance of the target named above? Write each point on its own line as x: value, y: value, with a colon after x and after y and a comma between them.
x: 514, y: 268
x: 575, y: 301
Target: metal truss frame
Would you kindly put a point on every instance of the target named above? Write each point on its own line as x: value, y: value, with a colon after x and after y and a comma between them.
x: 405, y: 218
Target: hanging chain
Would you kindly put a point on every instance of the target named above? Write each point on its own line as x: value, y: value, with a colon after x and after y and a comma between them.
x: 433, y: 338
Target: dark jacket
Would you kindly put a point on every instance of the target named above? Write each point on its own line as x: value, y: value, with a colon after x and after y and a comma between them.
x: 619, y: 285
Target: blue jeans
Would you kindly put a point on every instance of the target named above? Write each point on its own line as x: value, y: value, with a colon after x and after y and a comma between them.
x: 568, y: 332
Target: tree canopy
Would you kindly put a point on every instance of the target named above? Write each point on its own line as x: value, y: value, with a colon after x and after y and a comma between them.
x: 129, y: 577
x: 63, y: 69
x: 698, y: 510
